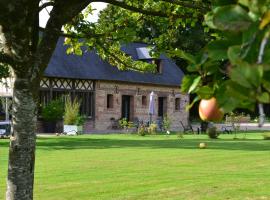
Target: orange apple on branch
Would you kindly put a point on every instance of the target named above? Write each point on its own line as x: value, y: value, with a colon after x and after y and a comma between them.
x: 209, y: 110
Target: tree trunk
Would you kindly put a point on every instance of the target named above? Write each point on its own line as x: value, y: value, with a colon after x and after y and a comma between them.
x: 22, y: 143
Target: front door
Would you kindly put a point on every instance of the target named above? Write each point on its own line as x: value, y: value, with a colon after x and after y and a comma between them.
x: 162, y: 106
x: 126, y: 107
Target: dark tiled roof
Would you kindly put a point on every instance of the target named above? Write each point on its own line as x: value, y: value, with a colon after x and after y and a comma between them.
x: 91, y: 66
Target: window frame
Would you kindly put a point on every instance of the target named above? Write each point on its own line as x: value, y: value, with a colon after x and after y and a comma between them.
x: 177, y: 104
x: 84, y: 92
x: 109, y: 102
x: 144, y: 101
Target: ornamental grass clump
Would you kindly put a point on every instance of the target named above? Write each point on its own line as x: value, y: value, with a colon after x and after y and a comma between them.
x: 72, y: 111
x: 166, y: 124
x: 142, y: 130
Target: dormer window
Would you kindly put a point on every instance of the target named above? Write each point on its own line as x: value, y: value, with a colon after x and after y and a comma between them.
x: 143, y: 55
x: 158, y: 64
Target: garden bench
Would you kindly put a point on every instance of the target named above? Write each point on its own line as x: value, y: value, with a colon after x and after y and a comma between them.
x: 227, y: 129
x: 187, y: 128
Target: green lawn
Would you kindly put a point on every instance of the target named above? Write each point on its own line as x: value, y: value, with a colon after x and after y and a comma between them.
x: 152, y: 167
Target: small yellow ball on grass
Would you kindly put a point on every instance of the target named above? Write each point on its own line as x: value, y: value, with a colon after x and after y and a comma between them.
x: 202, y: 145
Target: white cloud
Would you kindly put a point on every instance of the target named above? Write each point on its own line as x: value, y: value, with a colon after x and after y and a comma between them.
x: 44, y: 16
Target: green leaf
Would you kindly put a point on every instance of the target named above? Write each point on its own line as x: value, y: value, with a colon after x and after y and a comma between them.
x: 239, y: 92
x: 226, y: 101
x: 234, y: 53
x: 255, y: 74
x: 192, y: 68
x: 237, y: 75
x: 244, y: 2
x: 248, y: 35
x: 266, y: 56
x: 78, y: 51
x: 231, y: 18
x: 249, y: 76
x: 223, y: 2
x: 187, y: 82
x: 266, y: 85
x: 257, y: 7
x: 195, y: 84
x: 201, y: 58
x: 217, y: 50
x: 69, y: 50
x: 196, y: 99
x: 264, y: 97
x: 205, y: 92
x: 231, y: 96
x: 186, y: 56
x: 208, y: 19
x: 211, y: 67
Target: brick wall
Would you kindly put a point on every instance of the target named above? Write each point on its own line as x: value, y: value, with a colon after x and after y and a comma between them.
x: 103, y: 115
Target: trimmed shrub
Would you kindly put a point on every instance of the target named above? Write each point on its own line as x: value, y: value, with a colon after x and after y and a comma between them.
x: 212, y: 132
x: 53, y: 111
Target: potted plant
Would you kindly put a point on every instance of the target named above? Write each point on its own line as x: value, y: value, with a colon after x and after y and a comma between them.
x: 73, y: 122
x: 51, y: 113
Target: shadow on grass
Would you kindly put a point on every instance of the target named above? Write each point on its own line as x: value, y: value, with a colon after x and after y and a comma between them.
x: 93, y: 143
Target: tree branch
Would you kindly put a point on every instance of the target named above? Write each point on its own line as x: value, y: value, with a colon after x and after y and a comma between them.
x: 192, y: 5
x: 259, y: 61
x: 47, y: 4
x: 141, y: 10
x: 113, y: 56
x: 74, y: 35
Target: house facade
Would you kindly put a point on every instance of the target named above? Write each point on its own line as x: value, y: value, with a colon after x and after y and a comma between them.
x: 108, y: 94
x: 132, y: 101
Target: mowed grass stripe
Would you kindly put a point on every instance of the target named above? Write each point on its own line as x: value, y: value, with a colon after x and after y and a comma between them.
x: 153, y: 167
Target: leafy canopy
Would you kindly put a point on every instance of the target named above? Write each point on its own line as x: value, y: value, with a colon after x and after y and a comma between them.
x: 235, y: 67
x: 162, y: 24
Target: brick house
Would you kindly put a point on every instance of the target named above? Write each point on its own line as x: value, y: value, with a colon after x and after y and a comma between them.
x: 108, y: 94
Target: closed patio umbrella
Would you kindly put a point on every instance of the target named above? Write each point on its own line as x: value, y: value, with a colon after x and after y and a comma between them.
x: 151, y: 105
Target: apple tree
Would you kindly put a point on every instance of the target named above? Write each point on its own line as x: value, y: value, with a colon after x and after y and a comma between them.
x: 235, y: 66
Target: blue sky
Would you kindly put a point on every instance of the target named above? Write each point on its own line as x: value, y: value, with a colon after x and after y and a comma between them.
x: 43, y: 17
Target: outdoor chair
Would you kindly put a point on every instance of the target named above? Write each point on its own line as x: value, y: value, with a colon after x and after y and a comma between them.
x: 187, y: 127
x: 136, y: 123
x: 114, y: 124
